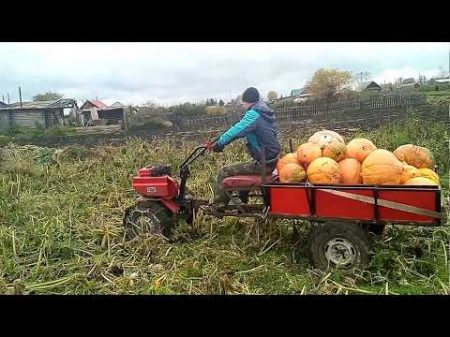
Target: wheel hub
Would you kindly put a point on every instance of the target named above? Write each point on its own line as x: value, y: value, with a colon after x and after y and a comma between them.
x: 140, y: 221
x: 144, y: 222
x: 341, y: 252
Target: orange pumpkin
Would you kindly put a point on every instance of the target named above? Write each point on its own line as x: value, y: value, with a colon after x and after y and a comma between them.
x: 307, y: 152
x: 381, y: 167
x: 409, y: 172
x: 325, y: 136
x: 360, y: 148
x: 334, y: 150
x: 290, y: 158
x: 323, y: 170
x: 429, y: 174
x: 350, y: 171
x: 420, y: 181
x: 292, y: 173
x: 414, y: 155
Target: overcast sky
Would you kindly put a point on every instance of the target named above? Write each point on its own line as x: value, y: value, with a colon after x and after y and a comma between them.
x: 170, y: 73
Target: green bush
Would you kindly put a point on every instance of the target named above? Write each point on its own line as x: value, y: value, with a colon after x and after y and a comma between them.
x: 60, y: 130
x: 216, y: 110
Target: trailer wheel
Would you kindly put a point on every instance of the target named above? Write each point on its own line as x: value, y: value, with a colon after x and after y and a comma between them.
x: 339, y: 245
x: 151, y: 218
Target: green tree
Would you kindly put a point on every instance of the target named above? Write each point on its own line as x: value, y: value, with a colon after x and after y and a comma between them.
x: 48, y: 96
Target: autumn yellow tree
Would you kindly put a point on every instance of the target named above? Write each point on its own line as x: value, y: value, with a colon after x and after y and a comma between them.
x: 272, y: 95
x: 328, y: 83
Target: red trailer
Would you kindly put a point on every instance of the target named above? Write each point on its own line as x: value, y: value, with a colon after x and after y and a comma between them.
x: 418, y: 205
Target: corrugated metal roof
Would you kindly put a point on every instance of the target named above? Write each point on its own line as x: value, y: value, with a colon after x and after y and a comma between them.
x: 64, y: 103
x: 60, y: 103
x: 99, y: 104
x: 117, y: 105
x: 96, y: 103
x: 30, y: 105
x: 410, y: 80
x: 296, y: 92
x: 301, y: 91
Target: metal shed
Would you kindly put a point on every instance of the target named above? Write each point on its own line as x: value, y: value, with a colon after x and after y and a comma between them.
x: 32, y: 114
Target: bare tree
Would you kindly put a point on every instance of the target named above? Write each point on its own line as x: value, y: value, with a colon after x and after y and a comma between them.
x: 442, y: 72
x: 361, y: 77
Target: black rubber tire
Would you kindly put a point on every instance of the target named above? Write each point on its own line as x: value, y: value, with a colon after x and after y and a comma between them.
x: 155, y: 219
x: 325, y: 237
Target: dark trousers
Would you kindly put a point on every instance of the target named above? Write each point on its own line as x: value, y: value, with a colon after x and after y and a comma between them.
x: 249, y: 168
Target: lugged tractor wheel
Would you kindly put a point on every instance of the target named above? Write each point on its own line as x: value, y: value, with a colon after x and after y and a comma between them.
x: 151, y: 218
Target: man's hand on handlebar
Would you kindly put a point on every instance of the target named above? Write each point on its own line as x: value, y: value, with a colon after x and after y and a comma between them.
x: 218, y: 148
x: 214, y: 146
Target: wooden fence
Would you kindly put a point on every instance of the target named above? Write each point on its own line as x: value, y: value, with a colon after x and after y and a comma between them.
x: 386, y: 105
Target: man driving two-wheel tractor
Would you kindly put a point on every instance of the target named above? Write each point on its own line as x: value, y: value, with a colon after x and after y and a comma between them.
x: 258, y: 126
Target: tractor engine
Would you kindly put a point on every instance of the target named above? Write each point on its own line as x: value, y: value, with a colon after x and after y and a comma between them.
x: 155, y: 181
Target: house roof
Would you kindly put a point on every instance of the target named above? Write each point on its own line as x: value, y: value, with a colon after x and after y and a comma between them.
x: 369, y: 84
x: 97, y: 103
x: 442, y: 80
x: 30, y: 105
x: 117, y: 105
x: 405, y: 85
x: 63, y: 103
x: 60, y: 103
x: 2, y: 104
x: 295, y: 92
x: 305, y: 91
x: 301, y: 91
x: 410, y: 80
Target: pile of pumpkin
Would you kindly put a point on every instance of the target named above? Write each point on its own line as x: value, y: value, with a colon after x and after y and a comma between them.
x: 326, y: 159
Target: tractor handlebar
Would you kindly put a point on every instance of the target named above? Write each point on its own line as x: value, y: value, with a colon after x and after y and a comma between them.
x: 197, y: 152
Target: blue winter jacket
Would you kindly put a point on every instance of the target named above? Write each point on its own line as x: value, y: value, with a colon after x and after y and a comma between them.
x: 259, y: 128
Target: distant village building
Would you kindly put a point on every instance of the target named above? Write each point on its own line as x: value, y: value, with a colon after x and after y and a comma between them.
x: 369, y: 86
x: 442, y: 81
x: 295, y: 92
x: 31, y: 114
x: 408, y: 83
x: 95, y: 112
x: 89, y: 111
x: 301, y: 95
x: 118, y: 105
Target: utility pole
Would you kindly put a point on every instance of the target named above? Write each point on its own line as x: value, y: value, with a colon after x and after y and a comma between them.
x: 8, y: 98
x: 20, y: 96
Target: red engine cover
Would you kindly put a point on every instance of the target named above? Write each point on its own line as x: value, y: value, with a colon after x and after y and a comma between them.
x: 162, y: 187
